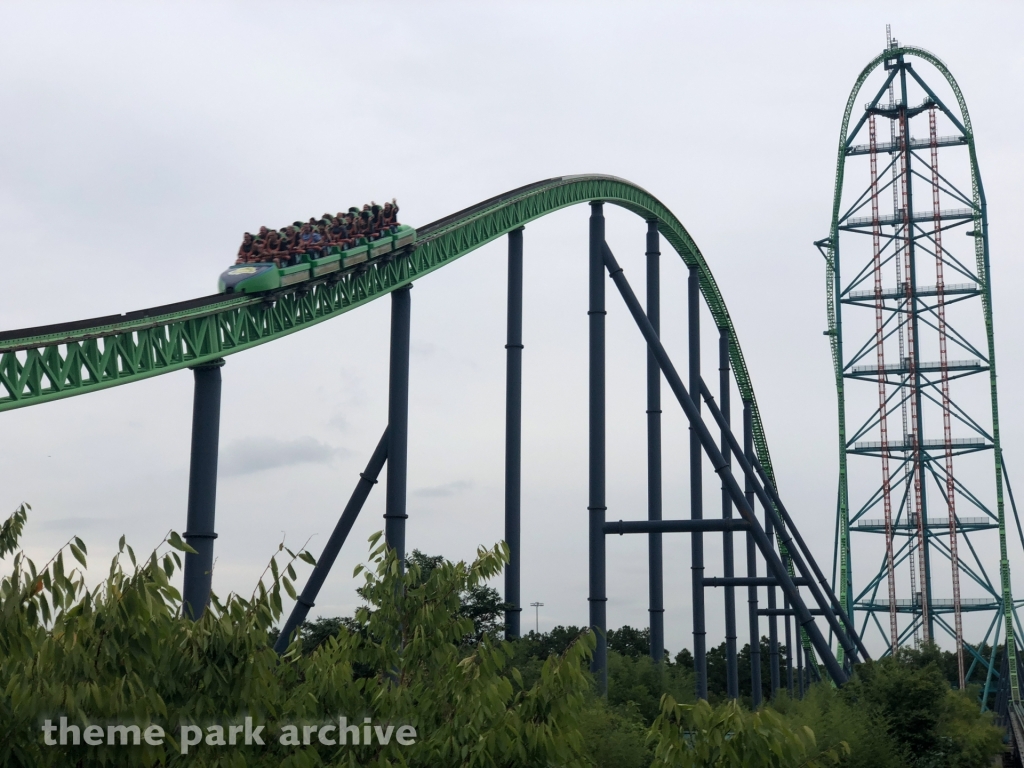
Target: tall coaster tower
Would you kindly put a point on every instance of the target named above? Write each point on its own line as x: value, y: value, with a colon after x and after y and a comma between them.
x: 921, y: 518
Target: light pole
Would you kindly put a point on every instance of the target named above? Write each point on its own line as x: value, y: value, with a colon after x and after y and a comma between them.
x: 536, y: 607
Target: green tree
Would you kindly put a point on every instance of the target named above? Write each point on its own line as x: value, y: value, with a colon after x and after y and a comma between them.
x: 933, y: 724
x: 836, y: 718
x: 540, y: 645
x: 481, y: 604
x: 616, y: 736
x: 684, y: 658
x: 630, y: 641
x: 636, y: 685
x: 317, y: 632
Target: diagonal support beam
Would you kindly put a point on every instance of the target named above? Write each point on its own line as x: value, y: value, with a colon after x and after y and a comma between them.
x: 750, y: 581
x: 707, y: 441
x: 776, y: 512
x: 367, y: 479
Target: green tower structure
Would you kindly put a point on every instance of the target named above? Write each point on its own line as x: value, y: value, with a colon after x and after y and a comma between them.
x: 909, y: 301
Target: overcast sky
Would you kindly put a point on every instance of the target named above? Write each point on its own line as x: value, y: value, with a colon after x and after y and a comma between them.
x: 137, y: 143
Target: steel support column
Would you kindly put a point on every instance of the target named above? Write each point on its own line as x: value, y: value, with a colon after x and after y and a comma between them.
x: 773, y: 621
x: 513, y: 431
x: 732, y: 682
x: 654, y: 540
x: 202, y: 489
x: 799, y: 669
x: 398, y: 423
x: 789, y: 647
x: 596, y: 507
x: 696, y: 490
x: 755, y: 630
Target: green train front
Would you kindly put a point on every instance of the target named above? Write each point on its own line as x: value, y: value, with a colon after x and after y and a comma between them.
x: 266, y: 276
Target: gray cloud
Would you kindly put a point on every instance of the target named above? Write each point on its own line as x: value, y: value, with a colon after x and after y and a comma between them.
x: 256, y: 454
x: 444, y: 491
x: 339, y: 422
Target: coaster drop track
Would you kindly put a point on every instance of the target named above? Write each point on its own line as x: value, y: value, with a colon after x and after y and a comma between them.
x: 48, y: 363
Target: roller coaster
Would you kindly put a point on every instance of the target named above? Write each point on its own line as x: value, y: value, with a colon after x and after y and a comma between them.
x: 52, y: 362
x: 785, y: 587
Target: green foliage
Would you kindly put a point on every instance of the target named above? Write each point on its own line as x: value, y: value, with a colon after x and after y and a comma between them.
x: 121, y: 652
x: 930, y: 722
x: 908, y: 697
x: 313, y: 634
x: 540, y: 645
x: 616, y: 736
x: 836, y: 718
x: 968, y: 737
x: 636, y: 684
x: 10, y: 531
x: 614, y: 729
x: 899, y: 712
x: 630, y: 641
x: 480, y: 603
x: 729, y: 736
x: 423, y: 651
x: 717, y: 670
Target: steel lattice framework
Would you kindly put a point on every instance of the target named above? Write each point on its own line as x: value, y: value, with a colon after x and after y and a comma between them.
x: 920, y: 346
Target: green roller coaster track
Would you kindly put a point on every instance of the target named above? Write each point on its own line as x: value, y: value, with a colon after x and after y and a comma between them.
x: 982, y: 259
x: 38, y: 365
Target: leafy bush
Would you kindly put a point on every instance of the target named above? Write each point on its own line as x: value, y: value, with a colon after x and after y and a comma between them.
x: 122, y: 653
x: 836, y: 718
x: 422, y: 651
x: 933, y: 724
x: 729, y: 736
x: 480, y: 603
x: 631, y: 641
x: 616, y: 737
x: 637, y: 684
